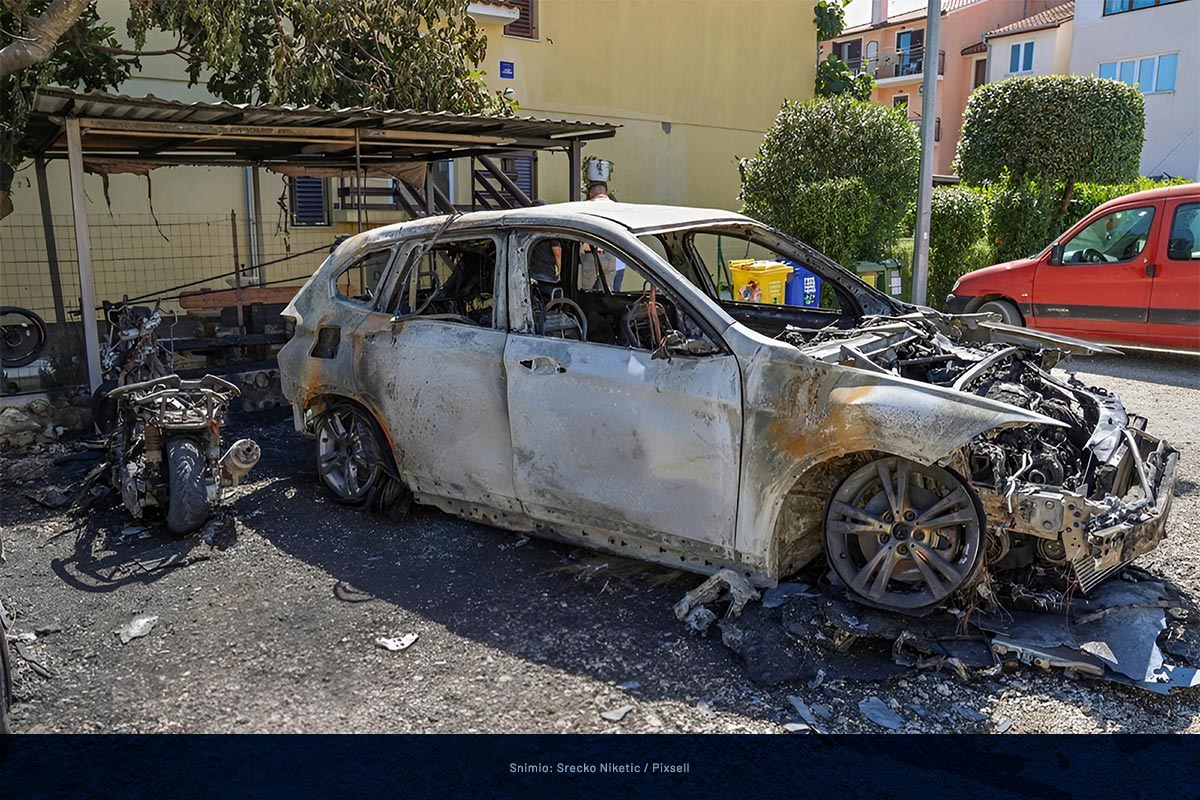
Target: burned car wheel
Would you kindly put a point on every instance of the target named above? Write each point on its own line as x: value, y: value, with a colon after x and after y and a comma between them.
x: 349, y: 453
x: 903, y: 536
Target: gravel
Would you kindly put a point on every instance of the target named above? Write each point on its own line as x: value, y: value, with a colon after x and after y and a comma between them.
x: 274, y: 627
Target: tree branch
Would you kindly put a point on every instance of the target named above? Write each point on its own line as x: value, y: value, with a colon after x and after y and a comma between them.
x: 44, y: 31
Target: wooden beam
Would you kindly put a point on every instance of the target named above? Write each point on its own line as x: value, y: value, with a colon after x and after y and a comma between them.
x: 60, y: 314
x: 83, y: 247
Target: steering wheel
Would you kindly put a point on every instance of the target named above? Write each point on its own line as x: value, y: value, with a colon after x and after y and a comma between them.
x: 573, y: 309
x: 1092, y: 256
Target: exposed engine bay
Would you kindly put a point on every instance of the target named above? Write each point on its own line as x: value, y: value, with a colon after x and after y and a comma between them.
x: 1069, y: 501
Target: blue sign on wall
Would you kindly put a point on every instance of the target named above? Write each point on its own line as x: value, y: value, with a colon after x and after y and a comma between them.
x: 507, y: 70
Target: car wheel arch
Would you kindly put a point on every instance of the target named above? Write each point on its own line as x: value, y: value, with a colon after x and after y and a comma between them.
x: 994, y: 297
x: 318, y: 404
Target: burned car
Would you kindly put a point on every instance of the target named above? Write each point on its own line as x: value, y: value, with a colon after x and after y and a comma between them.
x: 582, y: 372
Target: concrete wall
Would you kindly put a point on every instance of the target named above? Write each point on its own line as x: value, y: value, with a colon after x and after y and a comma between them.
x: 1172, y: 118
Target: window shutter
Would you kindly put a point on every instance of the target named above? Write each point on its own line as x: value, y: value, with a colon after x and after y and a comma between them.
x: 309, y: 204
x: 523, y: 26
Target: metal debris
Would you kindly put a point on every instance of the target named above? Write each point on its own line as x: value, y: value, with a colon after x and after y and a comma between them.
x: 399, y: 644
x: 617, y: 714
x: 785, y: 593
x: 136, y: 628
x: 969, y: 714
x: 878, y: 712
x: 723, y: 586
x: 805, y: 711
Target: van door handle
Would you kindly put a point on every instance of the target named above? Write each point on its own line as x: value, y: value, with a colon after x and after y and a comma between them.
x: 1151, y: 270
x: 540, y: 365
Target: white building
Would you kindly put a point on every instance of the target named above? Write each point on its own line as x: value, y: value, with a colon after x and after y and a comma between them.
x: 1037, y: 45
x: 1154, y: 45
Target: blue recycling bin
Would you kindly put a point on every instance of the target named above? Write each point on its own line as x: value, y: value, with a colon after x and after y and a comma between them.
x: 803, y: 287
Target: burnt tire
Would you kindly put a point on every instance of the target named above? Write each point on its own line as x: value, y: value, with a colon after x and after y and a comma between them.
x: 5, y: 682
x: 187, y: 507
x: 104, y: 407
x: 1007, y: 311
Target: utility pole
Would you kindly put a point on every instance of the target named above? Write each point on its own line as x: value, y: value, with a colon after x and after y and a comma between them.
x: 929, y: 63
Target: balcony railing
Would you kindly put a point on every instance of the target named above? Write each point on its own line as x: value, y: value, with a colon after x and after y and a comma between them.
x: 896, y: 64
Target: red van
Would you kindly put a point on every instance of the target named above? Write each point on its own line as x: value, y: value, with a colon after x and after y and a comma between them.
x: 1128, y: 272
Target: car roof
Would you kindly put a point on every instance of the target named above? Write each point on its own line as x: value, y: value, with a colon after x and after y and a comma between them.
x: 1150, y: 195
x: 634, y: 217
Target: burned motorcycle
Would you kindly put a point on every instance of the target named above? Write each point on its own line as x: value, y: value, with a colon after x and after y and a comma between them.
x: 132, y: 354
x: 166, y: 448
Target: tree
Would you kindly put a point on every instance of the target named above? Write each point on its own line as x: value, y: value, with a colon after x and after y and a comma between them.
x: 834, y: 76
x: 418, y: 54
x: 864, y: 155
x: 1052, y: 129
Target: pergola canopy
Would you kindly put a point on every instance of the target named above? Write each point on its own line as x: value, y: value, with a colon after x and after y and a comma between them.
x: 145, y: 132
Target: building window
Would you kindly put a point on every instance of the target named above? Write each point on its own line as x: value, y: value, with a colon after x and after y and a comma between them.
x: 310, y: 201
x: 1121, y: 6
x: 850, y: 52
x: 980, y: 73
x: 1152, y: 74
x: 900, y: 101
x: 1020, y: 58
x: 524, y: 26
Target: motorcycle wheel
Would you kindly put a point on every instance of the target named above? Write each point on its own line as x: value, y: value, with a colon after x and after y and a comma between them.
x: 187, y: 505
x: 22, y: 336
x: 104, y: 408
x: 5, y: 683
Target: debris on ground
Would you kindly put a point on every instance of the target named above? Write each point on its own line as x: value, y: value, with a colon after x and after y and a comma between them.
x: 397, y: 644
x: 878, y: 712
x: 1132, y: 630
x: 723, y: 586
x: 617, y: 714
x: 136, y: 628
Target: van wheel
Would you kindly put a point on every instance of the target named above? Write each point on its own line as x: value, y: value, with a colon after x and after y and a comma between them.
x: 1007, y: 311
x: 350, y: 458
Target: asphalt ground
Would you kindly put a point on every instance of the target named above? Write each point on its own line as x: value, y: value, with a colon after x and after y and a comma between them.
x: 274, y: 626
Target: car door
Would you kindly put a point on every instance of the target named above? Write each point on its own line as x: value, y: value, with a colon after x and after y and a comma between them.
x: 437, y: 382
x: 608, y: 438
x: 1174, y: 318
x: 1100, y: 287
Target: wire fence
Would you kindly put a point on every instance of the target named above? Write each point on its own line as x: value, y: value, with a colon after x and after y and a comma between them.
x: 169, y: 258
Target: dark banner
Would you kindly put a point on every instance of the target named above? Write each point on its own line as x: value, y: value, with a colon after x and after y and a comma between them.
x: 926, y: 767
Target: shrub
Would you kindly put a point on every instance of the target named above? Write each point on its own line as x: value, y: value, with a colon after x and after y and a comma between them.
x: 830, y: 215
x: 957, y: 225
x: 1024, y: 218
x: 874, y: 147
x: 1052, y: 128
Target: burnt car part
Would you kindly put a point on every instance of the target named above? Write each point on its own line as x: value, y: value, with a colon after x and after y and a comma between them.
x: 166, y: 449
x: 1086, y: 491
x: 684, y: 427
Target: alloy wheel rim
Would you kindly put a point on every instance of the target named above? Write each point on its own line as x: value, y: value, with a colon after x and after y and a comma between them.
x: 903, y: 535
x: 344, y: 460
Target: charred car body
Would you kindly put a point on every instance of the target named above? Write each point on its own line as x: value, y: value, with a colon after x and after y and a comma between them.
x: 575, y: 371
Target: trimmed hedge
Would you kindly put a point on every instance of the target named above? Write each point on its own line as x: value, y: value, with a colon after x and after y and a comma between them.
x: 1051, y: 128
x: 957, y: 224
x: 863, y: 155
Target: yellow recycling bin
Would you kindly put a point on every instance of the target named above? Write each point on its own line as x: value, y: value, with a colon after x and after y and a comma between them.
x: 759, y: 281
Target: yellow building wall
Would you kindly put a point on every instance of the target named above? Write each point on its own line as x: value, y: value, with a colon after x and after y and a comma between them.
x: 694, y: 85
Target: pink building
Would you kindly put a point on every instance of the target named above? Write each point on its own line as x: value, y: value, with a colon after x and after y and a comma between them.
x: 892, y: 48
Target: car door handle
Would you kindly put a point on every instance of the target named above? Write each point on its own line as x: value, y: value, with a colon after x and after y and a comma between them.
x: 540, y: 365
x: 1151, y: 270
